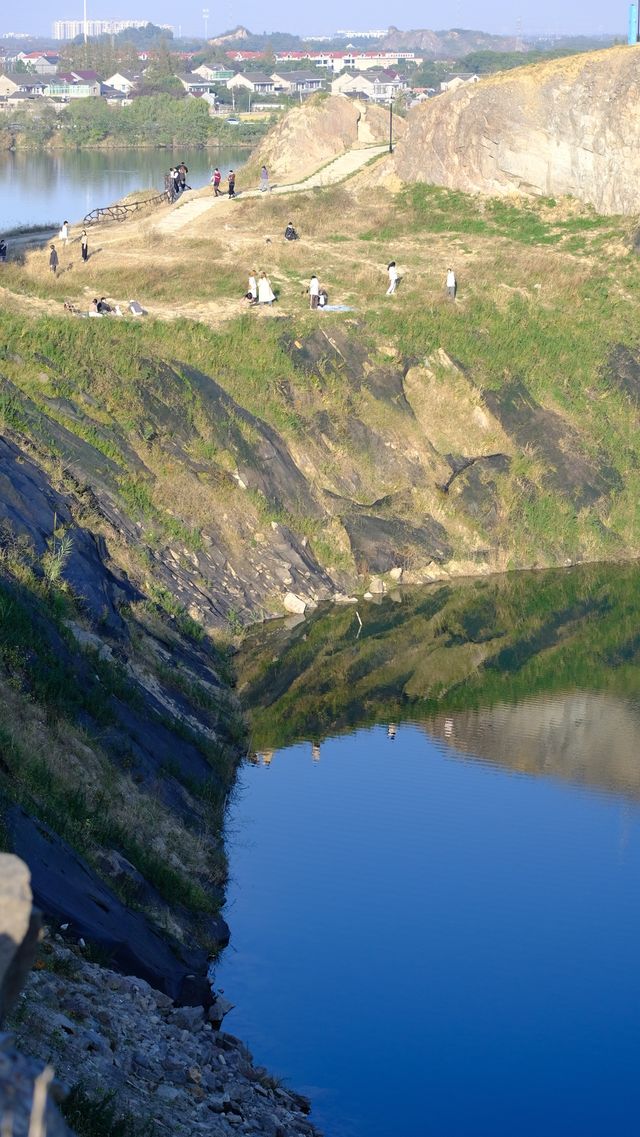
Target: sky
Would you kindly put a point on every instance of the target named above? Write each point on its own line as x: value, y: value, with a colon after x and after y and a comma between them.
x: 498, y: 16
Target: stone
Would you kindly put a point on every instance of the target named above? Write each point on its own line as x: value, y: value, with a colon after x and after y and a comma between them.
x: 376, y: 586
x: 19, y: 928
x: 294, y: 604
x: 396, y: 573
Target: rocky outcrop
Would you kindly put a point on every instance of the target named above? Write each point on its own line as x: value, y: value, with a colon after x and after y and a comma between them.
x: 168, y: 1067
x: 311, y: 135
x: 450, y: 44
x: 566, y: 126
x: 25, y: 1103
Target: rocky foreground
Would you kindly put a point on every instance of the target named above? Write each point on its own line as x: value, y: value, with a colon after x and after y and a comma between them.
x: 114, y: 1039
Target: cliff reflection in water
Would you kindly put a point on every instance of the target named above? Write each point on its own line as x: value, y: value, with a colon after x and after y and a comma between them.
x: 538, y: 672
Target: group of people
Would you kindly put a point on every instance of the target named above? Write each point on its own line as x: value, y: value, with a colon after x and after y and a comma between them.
x: 451, y: 283
x: 63, y: 236
x: 261, y: 292
x: 216, y: 179
x: 175, y: 182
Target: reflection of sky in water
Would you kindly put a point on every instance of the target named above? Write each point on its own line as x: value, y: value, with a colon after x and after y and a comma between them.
x: 36, y: 188
x: 433, y: 945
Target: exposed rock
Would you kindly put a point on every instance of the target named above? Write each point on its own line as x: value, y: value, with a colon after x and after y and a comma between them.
x: 165, y: 1066
x: 294, y: 604
x: 565, y: 126
x: 570, y: 471
x: 623, y: 372
x: 19, y: 926
x: 379, y: 544
x: 376, y: 586
x: 67, y: 890
x: 311, y: 135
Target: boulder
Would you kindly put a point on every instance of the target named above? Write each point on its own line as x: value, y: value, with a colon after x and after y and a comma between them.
x: 294, y: 604
x: 19, y: 928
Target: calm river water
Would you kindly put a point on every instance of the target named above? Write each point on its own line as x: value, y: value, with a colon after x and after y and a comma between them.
x: 40, y: 188
x: 435, y: 858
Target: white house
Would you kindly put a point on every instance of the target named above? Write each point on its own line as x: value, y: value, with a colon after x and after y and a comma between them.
x: 298, y: 82
x: 122, y: 81
x: 378, y: 86
x: 213, y: 74
x: 195, y: 84
x: 460, y: 80
x: 252, y: 81
x: 42, y: 63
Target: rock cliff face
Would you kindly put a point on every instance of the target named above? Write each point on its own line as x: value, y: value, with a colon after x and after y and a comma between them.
x: 314, y: 134
x: 565, y: 127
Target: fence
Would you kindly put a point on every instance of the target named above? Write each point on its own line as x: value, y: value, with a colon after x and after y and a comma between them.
x: 122, y: 212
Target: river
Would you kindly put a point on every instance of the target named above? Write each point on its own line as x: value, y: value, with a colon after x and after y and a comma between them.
x: 435, y: 857
x: 47, y: 187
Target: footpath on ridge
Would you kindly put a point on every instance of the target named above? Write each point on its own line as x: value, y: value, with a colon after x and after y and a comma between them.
x: 336, y: 171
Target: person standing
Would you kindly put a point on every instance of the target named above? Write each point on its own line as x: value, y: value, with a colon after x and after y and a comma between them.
x: 314, y: 291
x: 53, y: 260
x: 232, y: 183
x: 216, y: 178
x: 264, y: 179
x: 452, y: 284
x: 252, y: 294
x: 265, y: 294
x: 182, y: 177
x: 175, y: 174
x: 64, y: 233
x: 3, y: 251
x: 84, y: 245
x: 393, y: 278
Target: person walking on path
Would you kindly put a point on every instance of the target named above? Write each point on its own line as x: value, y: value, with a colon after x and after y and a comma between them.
x: 84, y: 245
x: 393, y: 278
x: 232, y: 183
x: 182, y: 177
x: 314, y: 291
x: 264, y: 179
x: 265, y: 294
x: 64, y: 233
x: 252, y: 294
x: 452, y: 284
x: 53, y: 260
x: 216, y: 178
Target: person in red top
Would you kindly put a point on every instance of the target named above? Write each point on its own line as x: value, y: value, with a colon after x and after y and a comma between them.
x: 216, y: 178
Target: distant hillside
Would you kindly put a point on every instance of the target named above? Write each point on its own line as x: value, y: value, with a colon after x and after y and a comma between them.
x: 567, y: 126
x: 452, y: 44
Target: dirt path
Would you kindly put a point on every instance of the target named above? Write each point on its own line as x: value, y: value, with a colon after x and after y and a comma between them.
x: 342, y: 167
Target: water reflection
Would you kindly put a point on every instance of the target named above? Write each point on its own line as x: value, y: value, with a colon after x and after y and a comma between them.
x: 538, y: 673
x: 38, y: 187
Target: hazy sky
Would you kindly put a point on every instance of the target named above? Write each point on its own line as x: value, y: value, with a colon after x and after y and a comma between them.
x: 502, y: 16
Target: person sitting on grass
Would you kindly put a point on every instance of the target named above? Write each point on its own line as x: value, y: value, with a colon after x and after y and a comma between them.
x: 290, y: 233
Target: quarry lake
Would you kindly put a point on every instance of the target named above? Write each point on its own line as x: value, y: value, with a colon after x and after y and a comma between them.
x: 435, y: 857
x: 39, y: 187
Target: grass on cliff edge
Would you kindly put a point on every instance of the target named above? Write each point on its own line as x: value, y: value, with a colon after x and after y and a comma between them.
x: 545, y: 289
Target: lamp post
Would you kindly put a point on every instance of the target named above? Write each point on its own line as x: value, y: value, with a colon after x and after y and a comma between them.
x: 391, y: 126
x: 205, y: 17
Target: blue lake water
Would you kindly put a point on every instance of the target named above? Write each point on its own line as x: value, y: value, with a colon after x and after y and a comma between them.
x: 37, y: 188
x: 435, y: 926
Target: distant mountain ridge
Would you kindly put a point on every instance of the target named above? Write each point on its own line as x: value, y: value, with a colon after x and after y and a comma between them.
x: 452, y: 44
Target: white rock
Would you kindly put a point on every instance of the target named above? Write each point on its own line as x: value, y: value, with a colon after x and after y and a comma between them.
x: 295, y: 604
x: 376, y: 586
x: 396, y: 573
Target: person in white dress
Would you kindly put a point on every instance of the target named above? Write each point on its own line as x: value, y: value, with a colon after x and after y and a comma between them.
x: 265, y: 295
x: 393, y: 278
x: 452, y: 284
x: 252, y: 294
x: 64, y: 233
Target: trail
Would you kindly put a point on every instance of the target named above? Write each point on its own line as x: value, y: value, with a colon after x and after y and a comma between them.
x: 185, y: 212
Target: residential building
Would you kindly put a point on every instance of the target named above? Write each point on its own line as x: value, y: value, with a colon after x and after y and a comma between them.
x: 122, y: 81
x: 74, y: 85
x: 378, y: 86
x: 213, y: 74
x: 27, y: 85
x: 40, y: 62
x: 195, y: 84
x: 252, y: 81
x: 452, y: 82
x: 298, y: 82
x: 349, y: 59
x: 69, y: 29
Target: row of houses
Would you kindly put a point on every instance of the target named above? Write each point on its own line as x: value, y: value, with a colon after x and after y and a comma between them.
x: 332, y: 60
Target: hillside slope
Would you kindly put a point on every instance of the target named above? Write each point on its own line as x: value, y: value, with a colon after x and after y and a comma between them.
x: 566, y: 126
